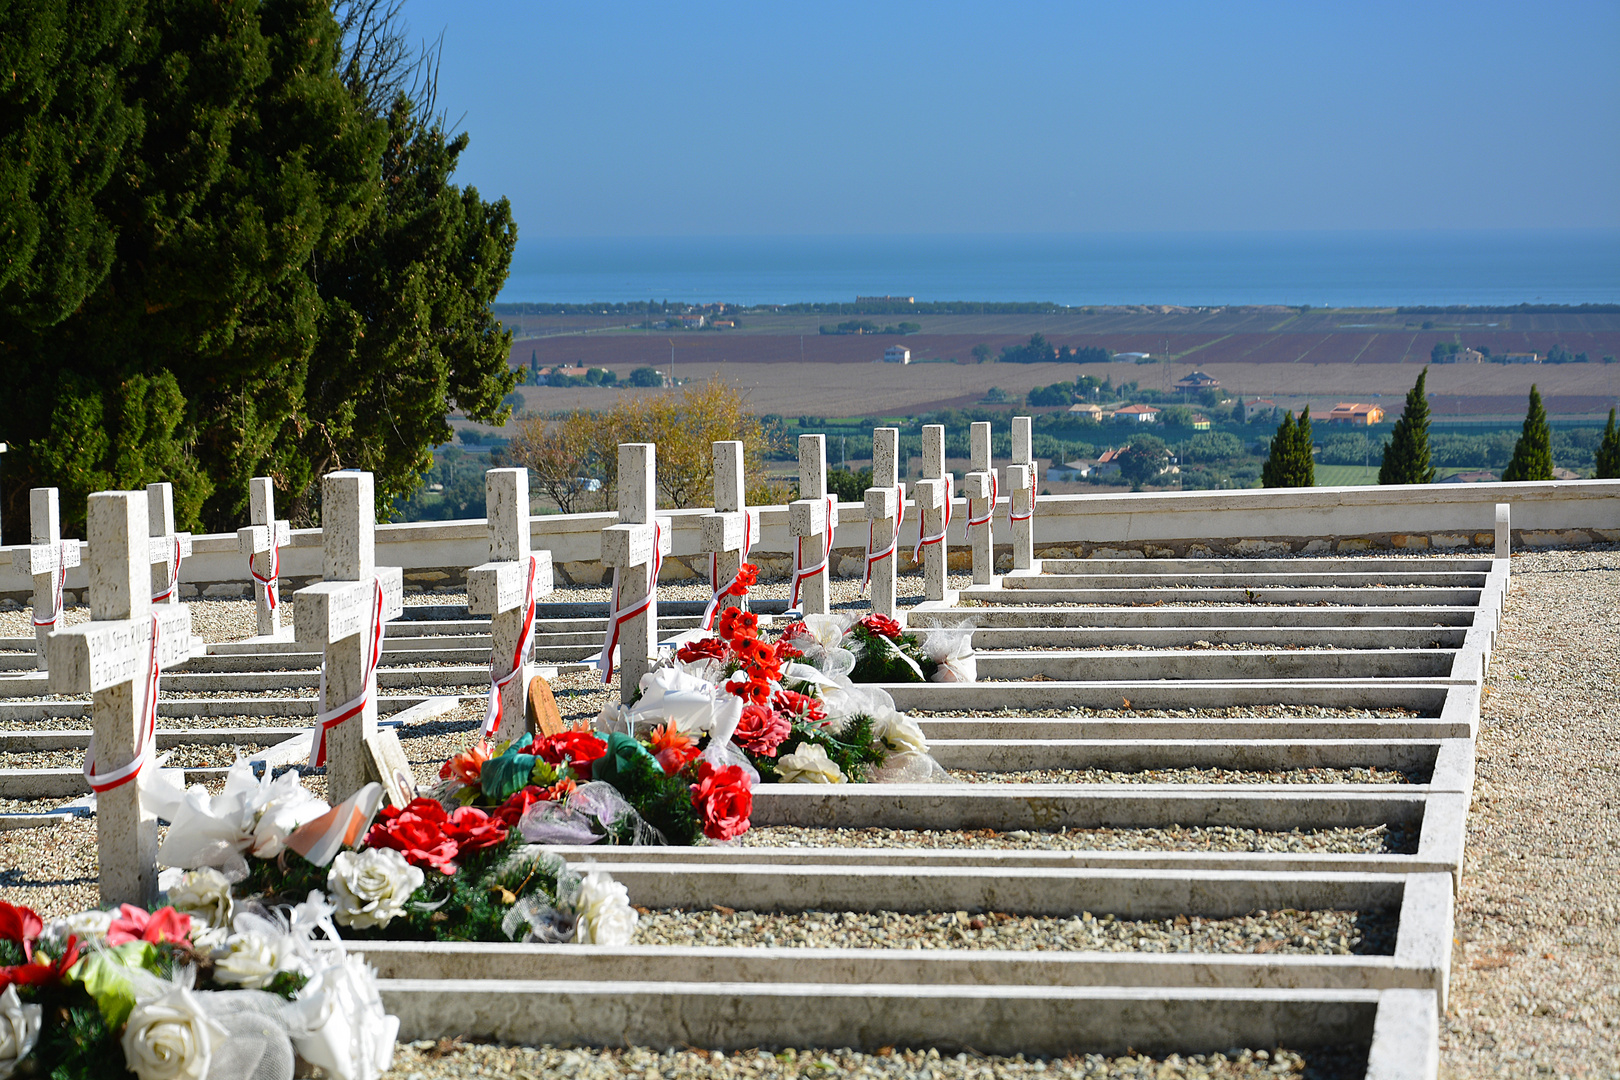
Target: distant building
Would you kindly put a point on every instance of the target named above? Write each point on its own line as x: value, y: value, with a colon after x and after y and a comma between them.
x: 1198, y: 381
x: 885, y: 299
x: 1140, y: 414
x: 724, y: 324
x: 693, y: 322
x: 558, y: 373
x: 1257, y: 407
x: 1482, y: 476
x: 1086, y: 409
x: 1522, y: 358
x: 1131, y: 357
x: 1070, y: 471
x: 1565, y: 474
x: 1462, y: 356
x: 1200, y: 422
x: 1108, y: 461
x: 897, y: 354
x: 1356, y: 414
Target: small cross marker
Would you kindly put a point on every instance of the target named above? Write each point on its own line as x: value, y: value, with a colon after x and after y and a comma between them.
x: 885, y: 512
x: 49, y: 559
x: 1022, y: 479
x: 635, y: 549
x: 344, y: 613
x: 262, y: 542
x: 933, y: 495
x: 117, y: 658
x: 982, y: 490
x: 812, y: 521
x: 169, y: 546
x: 728, y: 533
x: 505, y: 589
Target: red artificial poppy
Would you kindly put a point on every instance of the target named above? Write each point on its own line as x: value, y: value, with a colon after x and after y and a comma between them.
x: 738, y: 625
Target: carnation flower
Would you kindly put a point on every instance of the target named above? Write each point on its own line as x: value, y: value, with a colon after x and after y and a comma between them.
x: 761, y: 730
x: 371, y: 886
x: 205, y: 895
x: 882, y: 625
x: 170, y: 1038
x: 603, y: 912
x: 722, y: 800
x: 418, y: 831
x: 809, y: 764
x: 164, y: 924
x: 20, y: 1024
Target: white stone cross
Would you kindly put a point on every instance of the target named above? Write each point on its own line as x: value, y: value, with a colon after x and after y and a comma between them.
x: 982, y: 490
x: 116, y: 658
x: 728, y: 533
x: 1022, y: 480
x: 505, y: 589
x: 262, y: 542
x: 344, y: 613
x: 635, y: 549
x: 169, y: 547
x: 932, y: 495
x: 49, y: 559
x: 885, y: 512
x: 812, y: 521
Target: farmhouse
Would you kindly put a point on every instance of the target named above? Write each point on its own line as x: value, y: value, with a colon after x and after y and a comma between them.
x: 1140, y: 414
x: 897, y: 354
x: 1198, y: 381
x: 1131, y: 357
x: 1200, y: 422
x: 1087, y: 410
x: 1356, y: 414
x: 1522, y: 358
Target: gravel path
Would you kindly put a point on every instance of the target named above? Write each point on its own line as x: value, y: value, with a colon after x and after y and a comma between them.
x: 1329, y: 932
x: 1396, y: 838
x: 1535, y: 983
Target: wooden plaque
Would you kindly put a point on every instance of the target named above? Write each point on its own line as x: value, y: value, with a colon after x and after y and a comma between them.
x: 544, y: 717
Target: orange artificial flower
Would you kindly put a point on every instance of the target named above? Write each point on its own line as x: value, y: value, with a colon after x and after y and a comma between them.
x: 467, y: 765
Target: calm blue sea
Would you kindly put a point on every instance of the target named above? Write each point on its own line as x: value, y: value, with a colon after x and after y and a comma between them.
x: 1334, y: 269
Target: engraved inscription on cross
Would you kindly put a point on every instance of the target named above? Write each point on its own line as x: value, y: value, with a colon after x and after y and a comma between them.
x: 885, y: 512
x: 932, y: 495
x: 344, y: 614
x: 49, y: 559
x: 168, y: 546
x: 505, y: 589
x: 812, y: 522
x: 115, y: 658
x: 982, y: 490
x: 262, y: 542
x: 635, y: 549
x: 1022, y: 479
x: 728, y: 533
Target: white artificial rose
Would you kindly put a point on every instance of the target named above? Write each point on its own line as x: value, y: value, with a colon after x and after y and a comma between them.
x: 205, y: 895
x: 339, y: 1023
x: 370, y: 887
x: 826, y: 630
x: 169, y: 1038
x: 86, y: 925
x: 19, y: 1030
x: 603, y: 911
x: 899, y: 733
x: 808, y: 764
x: 253, y: 959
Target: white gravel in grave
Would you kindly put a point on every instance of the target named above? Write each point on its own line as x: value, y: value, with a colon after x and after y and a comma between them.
x: 1368, y: 775
x: 1396, y: 838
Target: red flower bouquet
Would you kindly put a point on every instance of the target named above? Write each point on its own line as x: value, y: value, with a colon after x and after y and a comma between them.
x: 722, y: 799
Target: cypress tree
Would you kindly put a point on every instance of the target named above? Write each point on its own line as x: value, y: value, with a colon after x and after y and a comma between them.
x: 1290, y: 463
x: 1608, y: 452
x: 1406, y: 455
x: 1532, y: 455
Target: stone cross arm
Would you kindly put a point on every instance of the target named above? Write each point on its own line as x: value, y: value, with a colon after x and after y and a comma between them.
x: 931, y: 494
x: 45, y: 558
x: 724, y: 530
x: 163, y: 547
x: 977, y: 485
x: 882, y: 503
x: 495, y: 587
x: 331, y: 611
x: 256, y: 539
x: 808, y: 517
x: 628, y: 545
x: 94, y: 656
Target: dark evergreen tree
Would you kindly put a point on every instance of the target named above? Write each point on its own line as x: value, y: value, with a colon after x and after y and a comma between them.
x: 1532, y: 455
x: 1290, y: 463
x: 1406, y: 455
x: 1608, y: 453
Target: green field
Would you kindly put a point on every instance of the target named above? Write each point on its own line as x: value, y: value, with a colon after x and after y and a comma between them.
x: 1355, y: 475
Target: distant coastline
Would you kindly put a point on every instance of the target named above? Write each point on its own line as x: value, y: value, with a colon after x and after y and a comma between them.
x: 1440, y: 269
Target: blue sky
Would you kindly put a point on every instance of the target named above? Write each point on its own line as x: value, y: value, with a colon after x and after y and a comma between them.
x: 643, y: 119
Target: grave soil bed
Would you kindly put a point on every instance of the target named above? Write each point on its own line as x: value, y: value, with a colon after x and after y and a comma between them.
x: 1317, y: 933
x: 1397, y: 838
x: 1371, y: 775
x: 455, y: 1058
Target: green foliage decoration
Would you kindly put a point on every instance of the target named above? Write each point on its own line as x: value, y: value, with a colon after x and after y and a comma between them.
x: 851, y: 749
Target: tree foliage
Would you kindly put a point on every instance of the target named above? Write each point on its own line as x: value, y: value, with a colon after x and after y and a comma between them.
x: 1143, y: 460
x: 1532, y: 455
x: 269, y: 274
x: 1607, y: 458
x: 1406, y: 455
x: 1290, y: 463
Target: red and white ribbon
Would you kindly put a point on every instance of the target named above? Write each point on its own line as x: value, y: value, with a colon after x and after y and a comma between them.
x: 619, y: 616
x: 800, y: 572
x: 1024, y: 517
x: 58, y: 577
x: 730, y: 588
x: 101, y: 782
x: 174, y: 577
x: 326, y: 721
x: 492, y: 719
x: 925, y: 541
x: 272, y: 583
x: 894, y: 537
x: 989, y: 511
